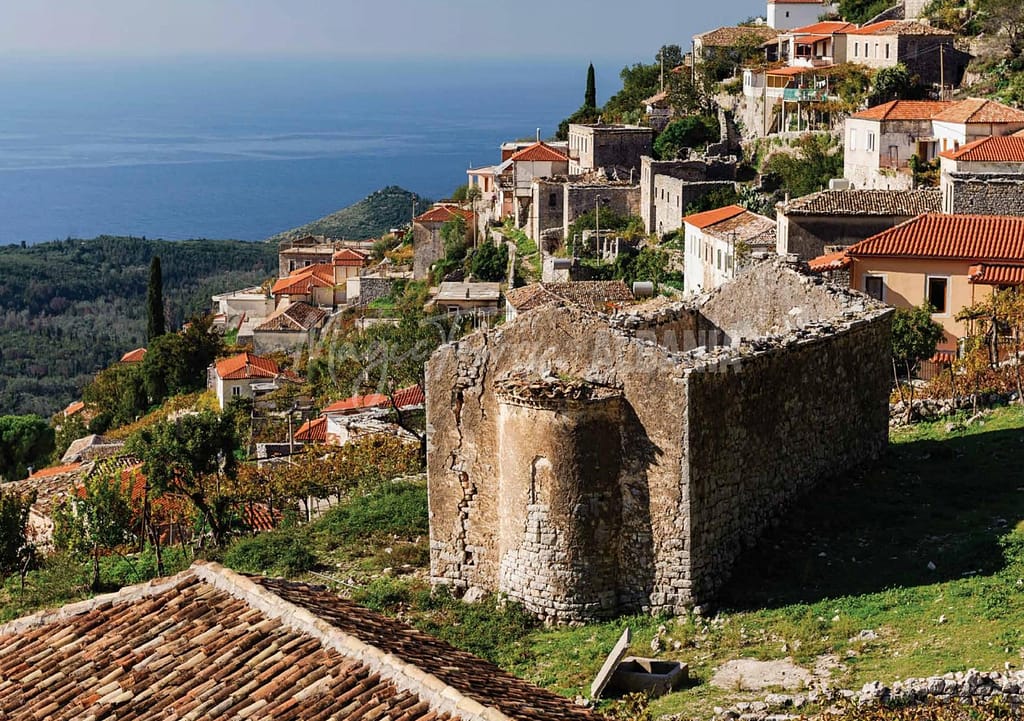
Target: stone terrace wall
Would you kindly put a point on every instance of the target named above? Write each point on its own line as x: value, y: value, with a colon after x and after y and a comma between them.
x: 767, y: 427
x: 987, y: 194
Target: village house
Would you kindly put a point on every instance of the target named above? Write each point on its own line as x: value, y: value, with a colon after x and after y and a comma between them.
x: 558, y: 202
x: 588, y: 465
x: 718, y: 243
x: 831, y: 220
x: 428, y: 244
x: 949, y: 261
x: 467, y: 297
x: 599, y: 295
x: 786, y: 98
x: 301, y: 253
x: 788, y: 14
x: 927, y: 52
x: 615, y: 149
x: 881, y: 140
x: 248, y: 303
x: 732, y: 43
x: 48, y: 486
x: 244, y: 376
x: 813, y: 45
x: 289, y: 329
x: 134, y: 356
x: 209, y: 643
x: 361, y: 415
x: 668, y: 187
x: 985, y: 177
x: 658, y: 109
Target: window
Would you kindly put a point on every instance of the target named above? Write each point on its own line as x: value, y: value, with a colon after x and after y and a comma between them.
x: 887, y: 51
x: 853, y: 139
x: 236, y: 391
x: 871, y: 141
x: 937, y: 291
x: 718, y: 263
x: 856, y: 51
x: 552, y: 200
x: 874, y: 285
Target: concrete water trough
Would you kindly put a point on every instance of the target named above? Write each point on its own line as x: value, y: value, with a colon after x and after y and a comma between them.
x: 623, y: 674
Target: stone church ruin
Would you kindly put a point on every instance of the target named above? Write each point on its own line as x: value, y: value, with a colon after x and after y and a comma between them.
x: 589, y: 466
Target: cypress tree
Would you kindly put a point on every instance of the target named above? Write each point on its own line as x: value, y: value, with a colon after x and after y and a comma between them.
x: 590, y: 99
x: 155, y: 301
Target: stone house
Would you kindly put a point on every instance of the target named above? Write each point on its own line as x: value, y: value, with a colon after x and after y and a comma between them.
x: 668, y: 187
x: 289, y: 329
x: 134, y: 356
x: 209, y: 643
x: 467, y: 297
x: 301, y: 253
x: 588, y: 466
x: 360, y: 415
x: 928, y: 52
x: 880, y: 141
x: 253, y: 302
x: 719, y: 243
x: 727, y: 42
x: 788, y: 14
x: 558, y: 202
x: 428, y: 245
x: 613, y: 148
x: 985, y: 177
x: 243, y: 375
x: 314, y: 284
x: 950, y: 261
x: 824, y: 222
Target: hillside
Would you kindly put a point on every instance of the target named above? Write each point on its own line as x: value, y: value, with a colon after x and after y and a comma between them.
x: 371, y: 217
x: 70, y: 308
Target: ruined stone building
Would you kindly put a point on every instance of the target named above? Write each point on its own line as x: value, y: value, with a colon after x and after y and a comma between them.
x: 669, y: 187
x: 589, y: 465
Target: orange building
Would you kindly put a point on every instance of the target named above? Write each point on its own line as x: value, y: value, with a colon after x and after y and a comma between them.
x: 951, y: 261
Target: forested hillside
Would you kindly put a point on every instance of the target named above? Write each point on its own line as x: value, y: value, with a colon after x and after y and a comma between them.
x: 70, y: 308
x: 371, y: 217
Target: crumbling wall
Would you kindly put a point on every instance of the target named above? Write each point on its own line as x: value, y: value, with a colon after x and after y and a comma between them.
x: 987, y: 194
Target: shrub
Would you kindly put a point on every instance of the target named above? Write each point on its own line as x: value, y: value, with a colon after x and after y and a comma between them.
x: 279, y: 553
x: 395, y: 508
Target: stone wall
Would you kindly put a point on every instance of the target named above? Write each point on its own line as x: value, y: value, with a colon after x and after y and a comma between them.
x: 547, y: 211
x: 370, y: 289
x: 692, y: 426
x: 580, y: 198
x: 807, y: 236
x: 987, y: 194
x: 427, y: 248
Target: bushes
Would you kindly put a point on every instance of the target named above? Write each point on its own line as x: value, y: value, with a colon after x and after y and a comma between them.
x: 285, y: 552
x: 694, y: 131
x: 395, y: 508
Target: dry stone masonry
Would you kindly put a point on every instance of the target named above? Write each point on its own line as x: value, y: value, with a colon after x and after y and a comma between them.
x: 589, y: 466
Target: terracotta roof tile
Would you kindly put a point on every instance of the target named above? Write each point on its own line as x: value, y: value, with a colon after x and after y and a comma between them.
x: 908, y: 203
x: 247, y: 365
x: 829, y: 261
x: 444, y: 213
x: 404, y: 398
x: 978, y: 110
x: 905, y: 110
x: 134, y: 356
x: 297, y: 317
x: 301, y: 281
x: 826, y: 27
x: 313, y: 431
x: 982, y: 238
x: 598, y: 295
x: 992, y: 274
x: 349, y: 257
x: 73, y: 408
x: 1006, y: 149
x: 746, y: 227
x: 731, y: 36
x: 710, y: 217
x: 540, y: 152
x: 899, y: 27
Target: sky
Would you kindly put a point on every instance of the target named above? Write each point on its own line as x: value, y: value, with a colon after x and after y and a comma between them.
x: 362, y: 28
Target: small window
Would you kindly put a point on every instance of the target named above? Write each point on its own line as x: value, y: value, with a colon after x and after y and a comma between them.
x: 236, y: 391
x: 853, y: 139
x: 874, y: 285
x: 871, y: 141
x: 856, y: 50
x: 938, y: 290
x: 718, y: 262
x: 552, y: 200
x: 887, y: 51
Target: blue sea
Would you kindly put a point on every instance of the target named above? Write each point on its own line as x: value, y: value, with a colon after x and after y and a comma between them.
x: 245, y: 148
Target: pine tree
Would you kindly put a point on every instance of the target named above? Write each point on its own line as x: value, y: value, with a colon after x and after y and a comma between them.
x: 590, y: 99
x: 155, y: 301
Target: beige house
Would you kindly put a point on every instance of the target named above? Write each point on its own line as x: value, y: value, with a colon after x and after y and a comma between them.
x: 719, y: 241
x: 950, y: 261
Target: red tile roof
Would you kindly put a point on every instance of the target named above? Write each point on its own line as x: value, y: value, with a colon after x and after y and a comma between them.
x: 134, y: 356
x: 826, y: 27
x: 829, y: 261
x: 404, y: 398
x: 792, y: 70
x: 898, y: 27
x: 298, y: 317
x: 313, y: 431
x: 73, y: 408
x: 246, y: 365
x: 444, y: 213
x: 905, y: 110
x: 982, y: 238
x: 348, y: 257
x: 303, y: 280
x: 212, y: 644
x: 1005, y: 149
x: 56, y: 470
x: 540, y: 152
x: 979, y: 110
x: 989, y: 274
x: 710, y: 217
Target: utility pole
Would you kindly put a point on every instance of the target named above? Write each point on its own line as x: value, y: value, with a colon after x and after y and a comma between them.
x: 942, y: 72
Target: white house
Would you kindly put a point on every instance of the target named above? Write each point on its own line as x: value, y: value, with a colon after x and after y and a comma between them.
x: 236, y: 377
x: 789, y: 14
x: 718, y: 242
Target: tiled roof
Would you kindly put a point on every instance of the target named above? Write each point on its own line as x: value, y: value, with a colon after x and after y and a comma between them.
x: 710, y: 217
x: 829, y: 261
x: 298, y: 317
x: 73, y: 408
x: 990, y: 274
x: 898, y: 27
x: 348, y: 257
x: 313, y: 431
x: 905, y: 110
x: 453, y: 291
x: 908, y: 203
x: 303, y: 280
x: 246, y: 365
x: 444, y: 213
x: 210, y: 643
x: 732, y: 36
x: 540, y: 152
x: 91, y: 448
x: 1007, y: 149
x: 591, y: 294
x: 826, y: 27
x: 978, y: 110
x: 404, y: 398
x: 656, y: 98
x: 745, y: 227
x: 134, y: 356
x: 792, y: 70
x: 982, y: 238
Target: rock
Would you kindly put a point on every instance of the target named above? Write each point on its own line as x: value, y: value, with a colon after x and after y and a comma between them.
x: 474, y: 594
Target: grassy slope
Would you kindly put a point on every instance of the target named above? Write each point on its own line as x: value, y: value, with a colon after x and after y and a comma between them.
x: 371, y: 217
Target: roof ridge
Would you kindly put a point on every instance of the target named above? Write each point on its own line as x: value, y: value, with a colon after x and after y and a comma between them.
x: 404, y: 675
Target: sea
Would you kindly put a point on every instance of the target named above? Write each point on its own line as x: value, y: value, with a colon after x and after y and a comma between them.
x: 244, y: 148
